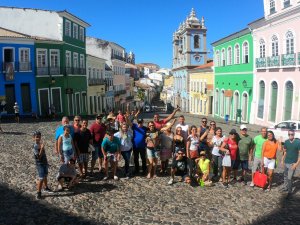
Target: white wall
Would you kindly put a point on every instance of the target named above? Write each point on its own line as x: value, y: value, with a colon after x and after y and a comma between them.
x: 98, y: 48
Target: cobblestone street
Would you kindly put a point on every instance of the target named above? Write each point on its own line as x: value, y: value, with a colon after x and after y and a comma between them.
x: 134, y: 201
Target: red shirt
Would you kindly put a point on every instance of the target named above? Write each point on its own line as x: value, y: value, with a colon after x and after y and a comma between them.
x: 98, y: 133
x: 233, y: 148
x: 160, y: 124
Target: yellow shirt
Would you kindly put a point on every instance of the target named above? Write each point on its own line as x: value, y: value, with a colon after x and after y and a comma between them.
x: 204, y: 165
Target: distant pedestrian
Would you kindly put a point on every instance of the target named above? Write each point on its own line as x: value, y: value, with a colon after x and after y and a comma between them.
x: 17, y: 112
x: 41, y: 164
x: 290, y: 160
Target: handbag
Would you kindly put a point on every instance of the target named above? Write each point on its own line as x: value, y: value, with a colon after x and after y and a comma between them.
x: 222, y: 153
x: 226, y: 161
x: 260, y: 179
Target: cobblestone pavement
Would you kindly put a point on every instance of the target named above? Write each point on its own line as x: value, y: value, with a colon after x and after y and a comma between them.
x: 133, y: 201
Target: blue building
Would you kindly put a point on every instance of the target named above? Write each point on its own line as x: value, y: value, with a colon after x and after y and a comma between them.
x: 189, y: 51
x: 17, y: 76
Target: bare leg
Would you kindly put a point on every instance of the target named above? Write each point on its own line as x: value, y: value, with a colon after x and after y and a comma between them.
x: 106, y: 167
x: 154, y: 166
x: 39, y: 185
x: 150, y: 165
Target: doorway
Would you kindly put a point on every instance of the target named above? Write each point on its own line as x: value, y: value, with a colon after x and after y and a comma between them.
x: 10, y: 98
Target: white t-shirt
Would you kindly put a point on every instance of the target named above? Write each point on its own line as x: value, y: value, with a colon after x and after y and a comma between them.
x: 185, y: 129
x: 16, y: 108
x: 194, y: 143
x: 217, y: 142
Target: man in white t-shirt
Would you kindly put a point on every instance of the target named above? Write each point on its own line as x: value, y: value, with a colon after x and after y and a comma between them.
x: 184, y: 127
x: 17, y: 112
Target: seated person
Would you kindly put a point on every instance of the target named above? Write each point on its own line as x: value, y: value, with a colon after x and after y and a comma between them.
x: 180, y: 167
x: 203, y: 165
x: 67, y: 172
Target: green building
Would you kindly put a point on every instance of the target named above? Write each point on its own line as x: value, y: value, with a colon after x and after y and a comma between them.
x: 233, y: 75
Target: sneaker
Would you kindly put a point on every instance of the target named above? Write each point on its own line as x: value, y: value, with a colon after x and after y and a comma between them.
x: 171, y: 181
x: 225, y: 185
x: 39, y: 195
x: 252, y: 184
x: 105, y: 178
x: 116, y: 178
x: 47, y: 190
x: 59, y: 188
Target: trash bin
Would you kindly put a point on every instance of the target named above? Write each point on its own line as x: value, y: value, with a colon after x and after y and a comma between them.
x: 226, y: 118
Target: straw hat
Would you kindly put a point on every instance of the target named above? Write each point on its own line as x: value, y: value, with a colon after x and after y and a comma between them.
x: 110, y: 117
x: 166, y: 127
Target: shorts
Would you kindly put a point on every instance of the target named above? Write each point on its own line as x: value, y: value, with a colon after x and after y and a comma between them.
x: 68, y: 154
x: 165, y: 154
x: 244, y: 164
x: 83, y: 158
x: 97, y: 153
x: 111, y: 157
x: 17, y: 115
x: 42, y: 170
x: 256, y: 164
x: 151, y: 153
x: 234, y: 164
x: 269, y: 163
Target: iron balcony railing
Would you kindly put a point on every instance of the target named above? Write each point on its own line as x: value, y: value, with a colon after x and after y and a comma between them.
x: 298, y: 58
x: 96, y: 81
x: 113, y: 56
x: 23, y: 66
x: 274, y: 61
x: 288, y: 59
x: 74, y: 70
x: 261, y: 62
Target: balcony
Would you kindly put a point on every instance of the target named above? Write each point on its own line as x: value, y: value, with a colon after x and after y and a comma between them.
x: 273, y: 61
x: 261, y: 63
x: 120, y: 92
x: 41, y: 71
x: 24, y: 66
x: 129, y: 98
x: 54, y: 70
x: 74, y: 70
x: 288, y: 60
x: 113, y: 56
x: 96, y: 81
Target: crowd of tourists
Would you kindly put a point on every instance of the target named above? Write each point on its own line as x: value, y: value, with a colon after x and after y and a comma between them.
x: 200, y: 155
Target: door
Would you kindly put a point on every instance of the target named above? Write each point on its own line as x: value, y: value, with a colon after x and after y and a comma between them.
x: 77, y: 102
x: 10, y: 98
x: 288, y: 100
x: 273, y: 105
x: 245, y: 107
x: 26, y: 98
x: 210, y: 107
x: 44, y: 102
x: 236, y: 104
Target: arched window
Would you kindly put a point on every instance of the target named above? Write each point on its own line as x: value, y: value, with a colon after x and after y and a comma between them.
x: 273, y: 103
x: 262, y: 48
x: 261, y: 100
x: 218, y: 58
x: 237, y: 54
x: 229, y: 56
x: 222, y: 101
x: 289, y: 89
x: 217, y: 102
x: 236, y: 103
x: 223, y: 57
x: 289, y: 43
x: 196, y: 41
x: 274, y: 45
x: 245, y: 52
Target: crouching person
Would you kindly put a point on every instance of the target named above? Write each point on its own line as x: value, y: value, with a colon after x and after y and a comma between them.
x: 67, y: 172
x: 180, y: 168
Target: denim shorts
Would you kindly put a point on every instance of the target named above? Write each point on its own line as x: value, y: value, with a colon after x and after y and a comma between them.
x: 42, y: 170
x: 68, y: 154
x: 83, y: 158
x: 151, y: 153
x: 235, y: 164
x: 244, y: 164
x: 97, y: 153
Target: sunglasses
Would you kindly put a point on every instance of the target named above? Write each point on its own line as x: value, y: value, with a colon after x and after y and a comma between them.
x: 179, y: 153
x: 151, y: 125
x: 213, y: 124
x: 291, y: 134
x: 98, y: 118
x: 76, y: 120
x: 204, y: 121
x: 245, y: 129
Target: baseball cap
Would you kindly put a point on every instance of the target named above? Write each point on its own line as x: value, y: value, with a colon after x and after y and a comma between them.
x: 243, y: 126
x: 37, y: 133
x: 99, y: 116
x: 233, y: 131
x: 140, y: 121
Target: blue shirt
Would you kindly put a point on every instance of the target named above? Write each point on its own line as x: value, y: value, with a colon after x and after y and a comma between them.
x: 139, y: 136
x: 111, y: 146
x: 60, y: 130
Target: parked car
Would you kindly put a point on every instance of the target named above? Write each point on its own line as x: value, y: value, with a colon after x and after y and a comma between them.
x: 281, y: 129
x: 147, y: 108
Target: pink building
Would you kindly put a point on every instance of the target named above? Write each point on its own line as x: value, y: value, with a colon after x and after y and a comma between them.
x: 276, y: 85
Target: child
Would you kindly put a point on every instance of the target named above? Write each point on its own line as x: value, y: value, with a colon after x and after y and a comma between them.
x: 67, y: 172
x: 41, y: 164
x: 204, y: 168
x: 66, y: 145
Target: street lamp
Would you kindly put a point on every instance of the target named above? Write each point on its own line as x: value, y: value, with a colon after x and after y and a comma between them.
x: 244, y: 83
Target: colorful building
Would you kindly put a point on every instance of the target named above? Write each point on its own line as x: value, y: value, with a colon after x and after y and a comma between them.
x: 17, y: 80
x: 234, y: 75
x: 201, y: 89
x: 277, y: 62
x: 168, y: 87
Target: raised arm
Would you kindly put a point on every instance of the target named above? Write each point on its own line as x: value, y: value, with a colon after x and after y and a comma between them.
x: 171, y: 115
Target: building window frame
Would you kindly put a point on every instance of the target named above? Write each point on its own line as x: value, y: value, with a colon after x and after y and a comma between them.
x: 81, y: 34
x: 262, y: 48
x: 237, y: 54
x: 290, y: 43
x: 41, y: 62
x: 246, y: 58
x: 229, y: 55
x: 75, y: 31
x: 274, y: 45
x: 68, y: 30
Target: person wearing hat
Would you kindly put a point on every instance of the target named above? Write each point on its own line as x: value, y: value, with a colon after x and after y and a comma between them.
x: 17, y: 112
x: 245, y: 150
x: 180, y: 167
x: 111, y: 125
x: 230, y: 147
x: 98, y: 130
x: 203, y: 168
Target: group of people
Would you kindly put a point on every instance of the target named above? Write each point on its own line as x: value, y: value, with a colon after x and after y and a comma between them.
x: 200, y: 154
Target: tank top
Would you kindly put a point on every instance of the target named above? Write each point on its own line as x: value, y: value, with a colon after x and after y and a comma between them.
x: 270, y: 149
x: 179, y: 143
x: 194, y: 143
x: 66, y: 142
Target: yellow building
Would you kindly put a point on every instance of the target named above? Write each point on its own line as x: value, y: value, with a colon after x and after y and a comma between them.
x: 167, y: 92
x: 201, y: 89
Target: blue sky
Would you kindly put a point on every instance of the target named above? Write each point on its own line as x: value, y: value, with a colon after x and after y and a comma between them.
x: 146, y: 26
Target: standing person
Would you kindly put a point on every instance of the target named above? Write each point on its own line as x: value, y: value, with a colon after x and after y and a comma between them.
x: 83, y: 138
x: 211, y: 131
x: 216, y: 143
x: 111, y: 151
x: 259, y: 140
x: 167, y: 145
x: 98, y: 130
x: 245, y: 151
x: 203, y: 132
x: 160, y: 123
x: 41, y: 164
x: 17, y: 112
x: 139, y: 145
x: 125, y: 136
x: 152, y: 141
x: 230, y: 147
x: 192, y: 147
x: 290, y: 160
x: 180, y: 167
x: 76, y: 124
x: 120, y: 118
x: 179, y: 142
x: 269, y: 150
x: 184, y: 127
x: 66, y: 145
x: 60, y: 130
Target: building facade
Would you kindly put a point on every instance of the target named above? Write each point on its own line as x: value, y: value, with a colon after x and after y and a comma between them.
x: 233, y: 75
x: 17, y: 80
x: 201, y: 89
x: 189, y: 51
x: 277, y: 57
x: 168, y: 87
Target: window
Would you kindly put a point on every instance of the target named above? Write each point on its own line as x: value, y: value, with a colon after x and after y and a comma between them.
x: 98, y: 73
x: 68, y: 28
x: 245, y: 52
x: 286, y: 3
x: 237, y: 54
x: 75, y: 31
x: 41, y: 58
x: 75, y: 60
x: 218, y: 58
x: 54, y: 58
x: 289, y: 43
x: 90, y: 73
x: 82, y: 65
x: 94, y: 73
x: 81, y: 33
x: 274, y: 46
x: 68, y: 59
x: 262, y: 48
x: 223, y: 57
x: 261, y: 100
x: 229, y: 56
x: 272, y: 6
x: 196, y: 41
x: 24, y: 64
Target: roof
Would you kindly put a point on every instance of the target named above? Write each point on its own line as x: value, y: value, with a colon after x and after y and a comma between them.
x: 129, y: 65
x: 232, y: 36
x: 258, y: 20
x: 207, y: 65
